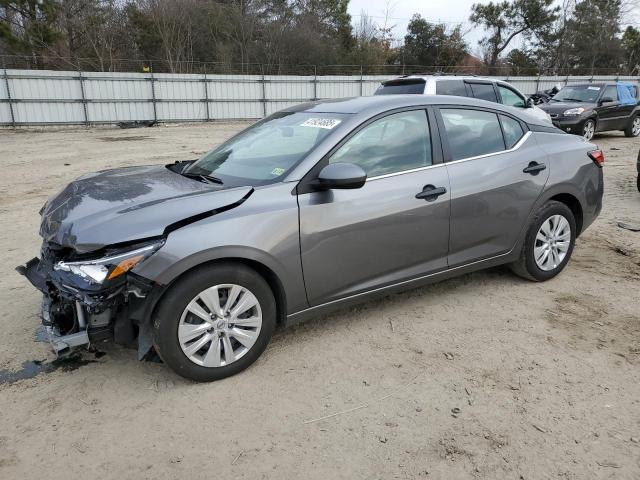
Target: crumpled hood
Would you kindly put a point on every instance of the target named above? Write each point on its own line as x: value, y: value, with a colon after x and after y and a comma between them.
x: 128, y: 204
x: 561, y: 107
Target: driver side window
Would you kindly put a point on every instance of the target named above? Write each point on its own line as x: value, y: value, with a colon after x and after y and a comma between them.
x: 611, y: 92
x: 395, y: 143
x: 511, y: 98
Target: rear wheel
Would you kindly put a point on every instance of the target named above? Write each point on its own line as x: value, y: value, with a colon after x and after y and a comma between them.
x: 215, y: 322
x: 548, y: 244
x: 589, y: 129
x: 633, y: 129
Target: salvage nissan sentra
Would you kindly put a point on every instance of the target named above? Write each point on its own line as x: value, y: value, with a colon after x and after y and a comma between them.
x: 315, y: 207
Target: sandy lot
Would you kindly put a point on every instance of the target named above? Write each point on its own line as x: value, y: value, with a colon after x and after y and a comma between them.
x: 545, y: 377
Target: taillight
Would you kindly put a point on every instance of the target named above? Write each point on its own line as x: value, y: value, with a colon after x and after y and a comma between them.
x: 597, y: 156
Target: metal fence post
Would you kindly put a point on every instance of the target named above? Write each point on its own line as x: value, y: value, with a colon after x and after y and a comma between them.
x: 361, y: 82
x: 84, y: 98
x: 153, y: 93
x: 264, y: 92
x: 206, y: 96
x: 6, y: 84
x: 537, y: 83
x: 315, y: 83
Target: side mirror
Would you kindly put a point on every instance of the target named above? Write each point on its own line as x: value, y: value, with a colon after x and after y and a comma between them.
x: 529, y: 103
x: 606, y: 100
x: 340, y: 175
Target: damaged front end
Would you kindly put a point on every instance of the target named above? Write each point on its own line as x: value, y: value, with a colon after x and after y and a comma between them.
x: 93, y: 297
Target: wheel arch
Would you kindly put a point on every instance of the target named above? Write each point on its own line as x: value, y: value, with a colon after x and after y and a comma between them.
x: 574, y: 205
x: 262, y: 268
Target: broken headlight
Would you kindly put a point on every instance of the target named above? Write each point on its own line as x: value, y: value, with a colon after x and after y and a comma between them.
x: 110, y: 266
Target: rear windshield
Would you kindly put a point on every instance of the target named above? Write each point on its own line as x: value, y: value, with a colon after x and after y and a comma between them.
x: 401, y: 87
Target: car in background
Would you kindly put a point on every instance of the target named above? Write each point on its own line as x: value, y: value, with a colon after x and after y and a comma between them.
x: 587, y: 108
x: 489, y: 89
x: 316, y: 207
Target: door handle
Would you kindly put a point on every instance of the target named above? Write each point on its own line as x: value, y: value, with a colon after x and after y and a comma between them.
x: 430, y: 193
x: 534, y: 168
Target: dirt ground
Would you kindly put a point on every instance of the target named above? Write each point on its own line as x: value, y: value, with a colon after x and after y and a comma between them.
x: 484, y: 376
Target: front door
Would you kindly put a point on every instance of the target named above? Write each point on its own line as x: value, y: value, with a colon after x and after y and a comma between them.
x: 496, y: 172
x: 611, y: 114
x: 392, y: 229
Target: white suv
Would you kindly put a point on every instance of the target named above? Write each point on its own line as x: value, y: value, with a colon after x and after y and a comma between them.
x: 463, y: 86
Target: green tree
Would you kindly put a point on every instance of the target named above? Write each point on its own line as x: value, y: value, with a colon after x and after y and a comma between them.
x: 505, y: 20
x: 591, y: 35
x: 430, y: 44
x: 631, y: 46
x: 27, y: 27
x: 521, y: 62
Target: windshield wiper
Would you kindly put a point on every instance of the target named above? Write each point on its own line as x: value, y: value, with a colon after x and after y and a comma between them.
x: 572, y: 100
x: 205, y: 178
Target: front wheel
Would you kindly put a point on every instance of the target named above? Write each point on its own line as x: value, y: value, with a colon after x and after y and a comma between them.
x: 589, y: 129
x: 633, y: 129
x: 215, y: 322
x: 548, y: 244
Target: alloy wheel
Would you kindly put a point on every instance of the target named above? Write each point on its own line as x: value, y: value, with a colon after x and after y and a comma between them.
x: 589, y: 130
x: 635, y: 127
x: 552, y: 242
x: 220, y: 325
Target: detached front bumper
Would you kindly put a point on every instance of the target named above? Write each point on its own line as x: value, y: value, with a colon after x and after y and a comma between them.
x: 77, y: 317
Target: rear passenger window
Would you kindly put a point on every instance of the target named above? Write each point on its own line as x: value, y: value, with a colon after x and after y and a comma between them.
x: 472, y: 132
x: 392, y: 144
x: 451, y: 87
x: 513, y: 131
x: 484, y: 91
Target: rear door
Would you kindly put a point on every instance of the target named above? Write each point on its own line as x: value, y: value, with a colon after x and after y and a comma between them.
x: 496, y: 174
x: 387, y: 231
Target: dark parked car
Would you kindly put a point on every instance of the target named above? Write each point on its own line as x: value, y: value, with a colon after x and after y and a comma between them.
x: 315, y: 207
x: 584, y: 109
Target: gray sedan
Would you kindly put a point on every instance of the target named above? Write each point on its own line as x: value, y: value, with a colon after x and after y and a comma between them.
x: 313, y: 208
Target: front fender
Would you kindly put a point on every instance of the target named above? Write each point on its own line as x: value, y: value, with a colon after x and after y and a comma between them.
x: 264, y: 229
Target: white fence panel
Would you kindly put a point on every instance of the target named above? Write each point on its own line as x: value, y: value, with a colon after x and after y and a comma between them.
x: 49, y: 97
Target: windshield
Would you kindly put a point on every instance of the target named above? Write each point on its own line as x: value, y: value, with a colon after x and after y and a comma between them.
x: 266, y: 150
x: 578, y: 93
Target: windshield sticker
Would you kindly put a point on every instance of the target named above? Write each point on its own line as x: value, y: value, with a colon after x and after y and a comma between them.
x: 277, y: 171
x: 593, y: 88
x: 326, y: 123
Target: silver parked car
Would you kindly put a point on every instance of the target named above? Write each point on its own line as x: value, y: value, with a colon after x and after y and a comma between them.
x: 315, y: 207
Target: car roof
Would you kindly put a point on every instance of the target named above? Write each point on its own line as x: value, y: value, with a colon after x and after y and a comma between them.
x: 374, y: 105
x: 438, y: 77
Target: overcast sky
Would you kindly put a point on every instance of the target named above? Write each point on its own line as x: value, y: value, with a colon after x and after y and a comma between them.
x: 451, y: 12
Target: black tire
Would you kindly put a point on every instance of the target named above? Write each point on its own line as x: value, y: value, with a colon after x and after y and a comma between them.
x: 169, y: 311
x: 585, y: 126
x: 628, y: 132
x: 526, y: 266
